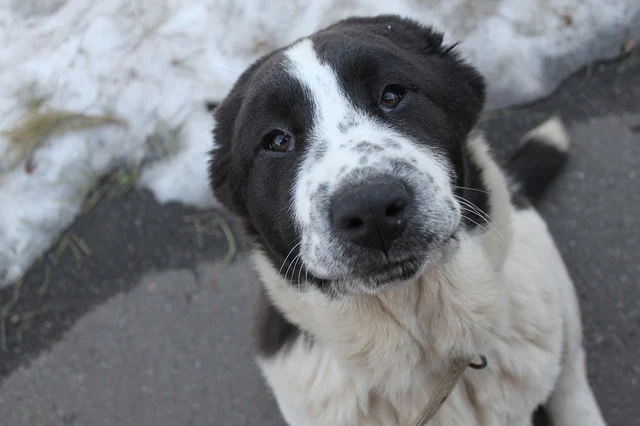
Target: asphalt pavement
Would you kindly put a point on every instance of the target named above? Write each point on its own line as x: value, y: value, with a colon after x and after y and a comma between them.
x: 137, y: 318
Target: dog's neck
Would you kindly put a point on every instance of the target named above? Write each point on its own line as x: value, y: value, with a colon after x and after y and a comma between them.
x: 452, y: 310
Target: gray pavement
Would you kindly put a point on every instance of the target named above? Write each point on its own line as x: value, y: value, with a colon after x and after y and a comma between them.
x: 151, y: 328
x: 170, y: 352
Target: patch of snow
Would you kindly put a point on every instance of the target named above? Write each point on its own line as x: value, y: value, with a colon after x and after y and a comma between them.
x: 154, y: 63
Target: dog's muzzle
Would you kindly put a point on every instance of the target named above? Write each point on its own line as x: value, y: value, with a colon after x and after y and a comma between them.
x: 371, y: 214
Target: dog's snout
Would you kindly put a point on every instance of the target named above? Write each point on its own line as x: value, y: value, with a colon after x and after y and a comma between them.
x: 371, y: 214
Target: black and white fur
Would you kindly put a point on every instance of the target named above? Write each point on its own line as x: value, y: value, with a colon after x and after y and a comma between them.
x: 363, y: 308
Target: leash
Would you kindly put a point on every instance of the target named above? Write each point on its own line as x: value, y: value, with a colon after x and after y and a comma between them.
x: 445, y: 386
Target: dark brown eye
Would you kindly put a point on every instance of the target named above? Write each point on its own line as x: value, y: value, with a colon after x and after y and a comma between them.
x: 390, y: 98
x: 280, y: 142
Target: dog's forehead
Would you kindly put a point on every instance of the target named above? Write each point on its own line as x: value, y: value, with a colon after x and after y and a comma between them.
x: 320, y: 81
x: 327, y: 75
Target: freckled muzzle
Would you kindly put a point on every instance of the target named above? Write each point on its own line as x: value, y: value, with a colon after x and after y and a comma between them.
x: 380, y: 223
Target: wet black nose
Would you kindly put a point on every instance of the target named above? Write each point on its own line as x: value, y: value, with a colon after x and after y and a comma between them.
x: 371, y: 214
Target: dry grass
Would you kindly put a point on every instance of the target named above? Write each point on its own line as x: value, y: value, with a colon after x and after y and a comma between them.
x: 4, y: 314
x: 72, y: 242
x: 164, y: 141
x: 632, y: 60
x: 25, y: 138
x: 209, y: 223
x: 115, y: 185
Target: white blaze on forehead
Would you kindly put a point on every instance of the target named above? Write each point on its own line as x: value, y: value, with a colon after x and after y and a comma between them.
x: 326, y: 143
x: 330, y: 107
x: 330, y: 104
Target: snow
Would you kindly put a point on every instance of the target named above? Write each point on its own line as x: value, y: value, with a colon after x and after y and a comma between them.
x: 154, y: 63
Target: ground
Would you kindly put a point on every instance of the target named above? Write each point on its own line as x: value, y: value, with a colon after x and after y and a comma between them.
x: 138, y: 318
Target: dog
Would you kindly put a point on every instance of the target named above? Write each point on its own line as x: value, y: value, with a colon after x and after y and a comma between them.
x: 388, y: 241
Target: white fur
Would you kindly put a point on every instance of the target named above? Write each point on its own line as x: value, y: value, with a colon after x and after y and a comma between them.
x: 375, y: 357
x: 331, y: 161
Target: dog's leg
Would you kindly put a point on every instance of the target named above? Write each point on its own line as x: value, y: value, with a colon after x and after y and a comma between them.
x: 572, y: 401
x: 542, y: 155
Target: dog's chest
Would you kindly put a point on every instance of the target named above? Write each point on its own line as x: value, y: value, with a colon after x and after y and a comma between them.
x: 314, y: 387
x: 376, y: 360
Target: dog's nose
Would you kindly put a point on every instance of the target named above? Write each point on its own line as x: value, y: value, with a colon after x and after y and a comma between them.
x: 371, y: 214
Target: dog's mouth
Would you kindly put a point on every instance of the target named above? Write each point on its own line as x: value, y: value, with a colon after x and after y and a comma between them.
x: 383, y: 274
x: 393, y: 272
x: 380, y: 275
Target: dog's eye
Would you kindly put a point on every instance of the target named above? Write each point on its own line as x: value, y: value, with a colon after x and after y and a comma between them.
x: 280, y: 142
x: 391, y: 97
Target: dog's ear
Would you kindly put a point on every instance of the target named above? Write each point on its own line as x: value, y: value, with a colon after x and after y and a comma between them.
x: 227, y: 171
x: 224, y: 184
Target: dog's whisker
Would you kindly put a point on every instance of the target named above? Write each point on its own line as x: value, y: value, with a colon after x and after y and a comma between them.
x: 477, y: 210
x: 292, y: 263
x: 293, y: 266
x: 488, y: 231
x: 225, y: 69
x: 471, y: 189
x: 289, y: 254
x: 488, y: 219
x: 300, y: 271
x: 285, y: 259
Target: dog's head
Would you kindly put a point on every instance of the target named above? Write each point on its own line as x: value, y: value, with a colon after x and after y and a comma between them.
x: 344, y: 152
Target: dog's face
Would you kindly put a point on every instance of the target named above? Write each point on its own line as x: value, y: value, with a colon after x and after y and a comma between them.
x: 344, y: 152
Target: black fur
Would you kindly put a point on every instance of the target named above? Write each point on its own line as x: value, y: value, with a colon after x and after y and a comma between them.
x: 446, y: 97
x: 271, y: 329
x: 535, y: 166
